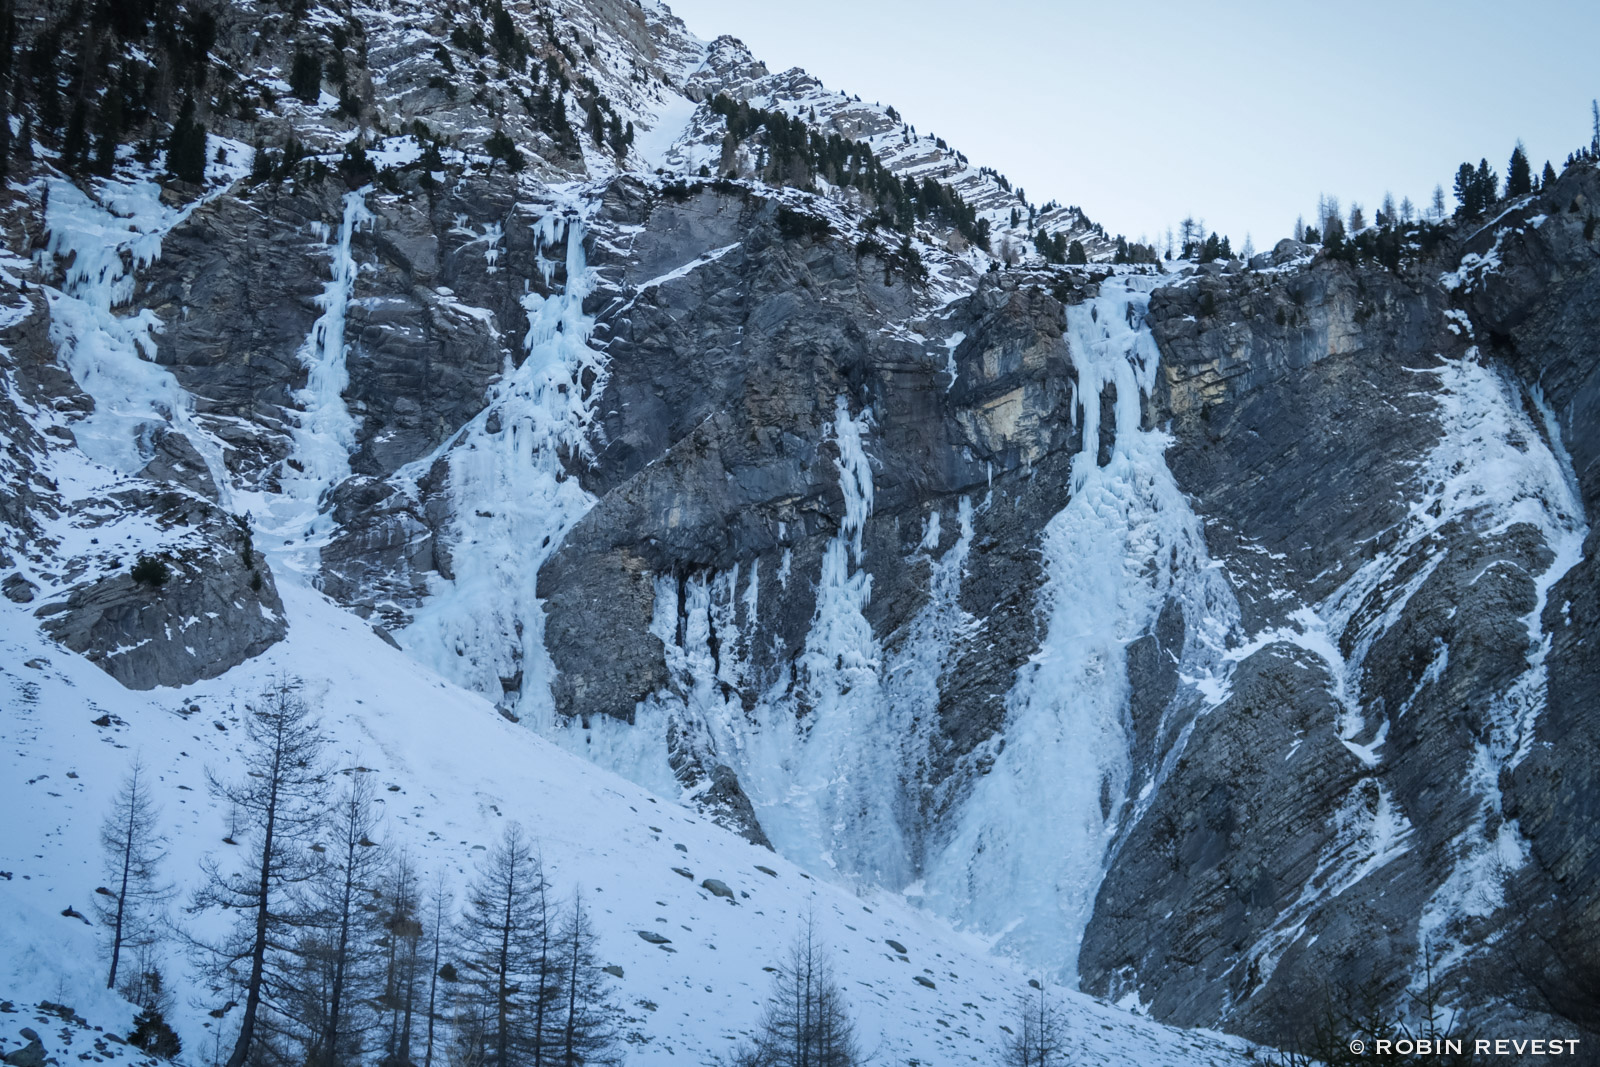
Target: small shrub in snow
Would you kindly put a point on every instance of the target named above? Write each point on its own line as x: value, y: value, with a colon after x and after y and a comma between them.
x: 149, y: 570
x: 151, y: 1033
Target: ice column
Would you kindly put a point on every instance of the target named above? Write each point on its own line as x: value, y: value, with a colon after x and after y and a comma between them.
x: 513, y: 498
x: 1030, y: 843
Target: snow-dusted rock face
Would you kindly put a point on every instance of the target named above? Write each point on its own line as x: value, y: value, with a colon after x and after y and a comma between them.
x: 1203, y: 639
x: 1397, y: 485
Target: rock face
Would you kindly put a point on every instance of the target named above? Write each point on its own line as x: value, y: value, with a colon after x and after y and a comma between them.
x: 1218, y: 636
x: 724, y: 460
x: 209, y: 602
x: 214, y: 607
x: 1442, y: 706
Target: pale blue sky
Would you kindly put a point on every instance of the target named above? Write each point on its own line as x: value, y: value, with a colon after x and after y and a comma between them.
x: 1240, y: 113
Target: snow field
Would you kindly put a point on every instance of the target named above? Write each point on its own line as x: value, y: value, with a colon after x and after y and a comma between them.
x: 450, y: 773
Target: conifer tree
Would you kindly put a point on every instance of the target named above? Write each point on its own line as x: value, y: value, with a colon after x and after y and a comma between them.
x: 585, y: 1032
x: 305, y: 76
x: 806, y: 1022
x: 402, y: 943
x: 1468, y: 200
x: 1519, y: 175
x: 1333, y: 230
x: 148, y: 989
x: 129, y: 906
x: 108, y: 128
x: 186, y: 148
x: 1548, y: 176
x: 8, y: 85
x: 1328, y: 215
x: 1076, y: 254
x: 1039, y: 1037
x: 438, y: 923
x: 500, y: 146
x: 280, y: 798
x: 505, y: 937
x: 1488, y: 183
x: 1190, y: 232
x: 75, y: 143
x: 342, y: 959
x: 262, y: 164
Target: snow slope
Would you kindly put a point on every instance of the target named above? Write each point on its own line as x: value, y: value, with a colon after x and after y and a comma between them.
x: 452, y: 773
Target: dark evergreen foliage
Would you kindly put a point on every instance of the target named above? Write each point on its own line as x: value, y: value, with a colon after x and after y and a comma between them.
x: 469, y: 38
x: 151, y: 571
x: 501, y: 147
x: 797, y: 224
x: 508, y: 41
x: 186, y: 147
x: 1469, y: 200
x: 904, y: 260
x: 356, y: 167
x: 305, y: 76
x: 108, y: 130
x: 190, y: 56
x: 1215, y: 247
x: 1519, y: 175
x: 152, y: 1034
x: 795, y: 154
x: 1053, y: 247
x: 75, y: 143
x: 1134, y: 252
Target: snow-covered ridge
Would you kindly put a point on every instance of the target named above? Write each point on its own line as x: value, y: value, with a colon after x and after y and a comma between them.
x: 910, y: 155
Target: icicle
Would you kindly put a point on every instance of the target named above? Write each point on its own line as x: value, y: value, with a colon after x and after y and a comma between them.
x: 494, y: 244
x: 752, y: 593
x: 325, y: 433
x: 110, y: 356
